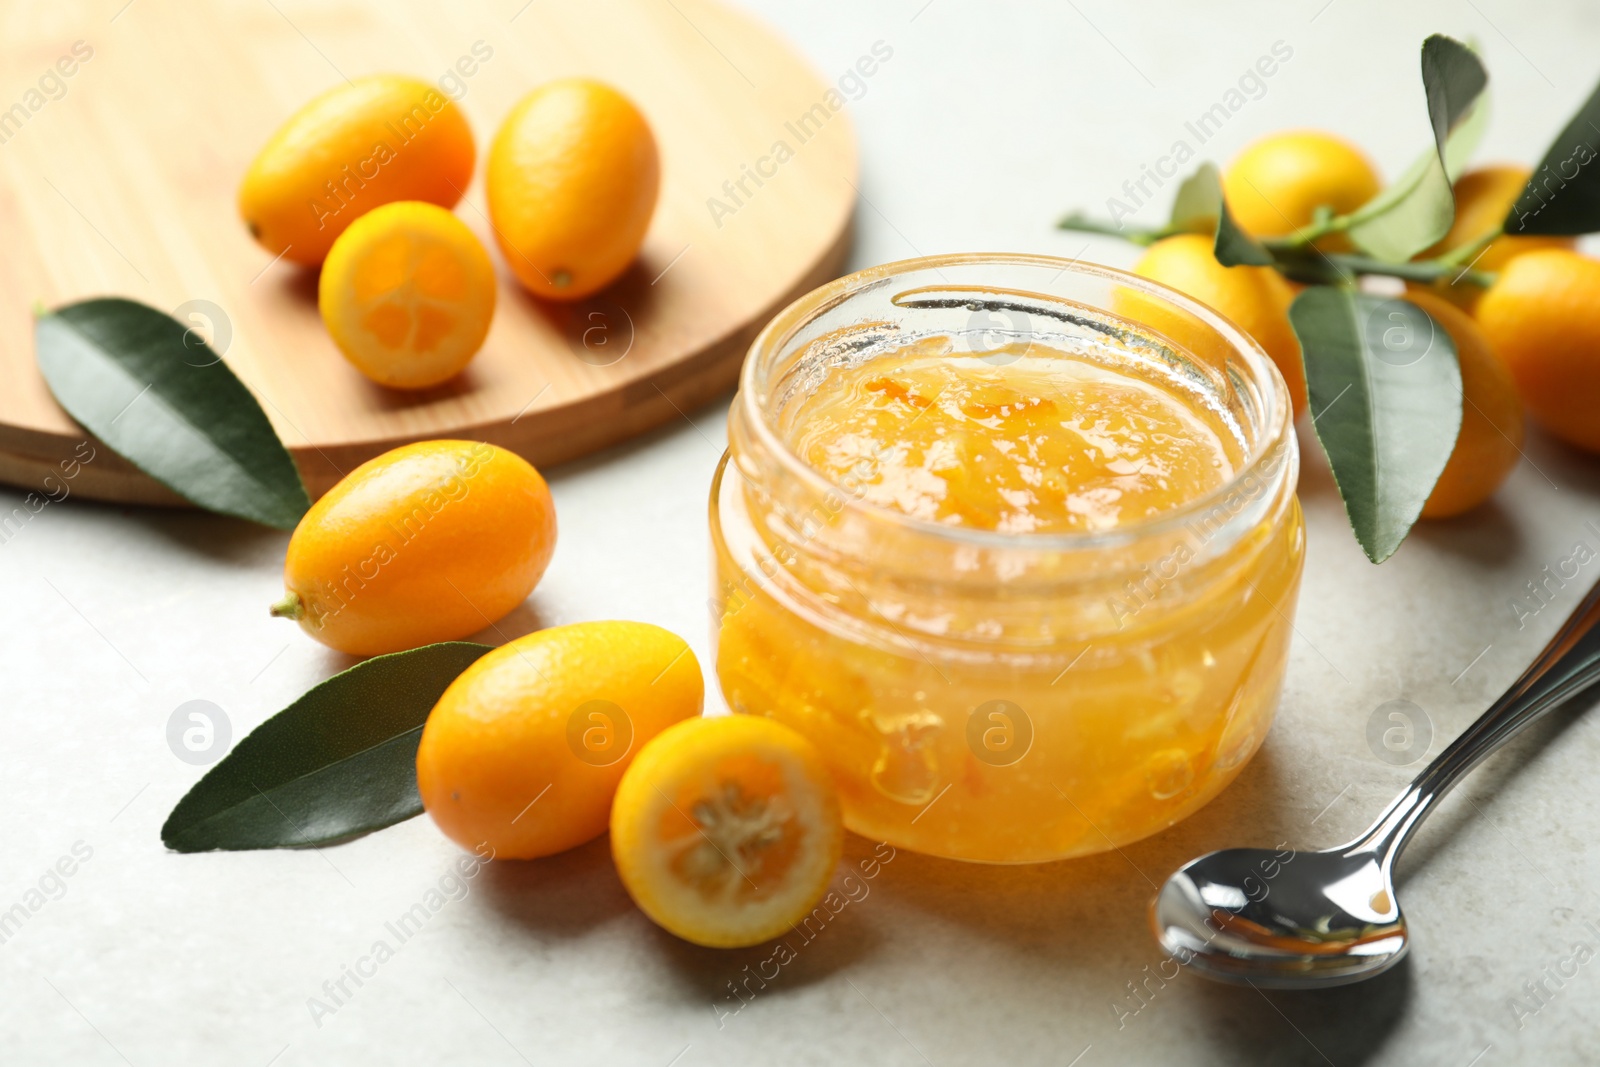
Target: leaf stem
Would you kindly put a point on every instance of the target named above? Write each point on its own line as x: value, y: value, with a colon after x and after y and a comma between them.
x: 1303, y: 237
x: 1426, y: 270
x: 1472, y: 249
x: 1137, y: 235
x: 1294, y: 256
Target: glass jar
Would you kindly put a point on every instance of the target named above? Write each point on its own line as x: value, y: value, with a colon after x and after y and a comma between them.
x: 1007, y: 697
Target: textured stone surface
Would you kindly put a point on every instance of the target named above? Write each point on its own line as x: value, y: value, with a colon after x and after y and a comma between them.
x: 988, y: 121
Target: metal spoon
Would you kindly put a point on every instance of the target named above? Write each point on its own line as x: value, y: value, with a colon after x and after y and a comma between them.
x: 1301, y: 920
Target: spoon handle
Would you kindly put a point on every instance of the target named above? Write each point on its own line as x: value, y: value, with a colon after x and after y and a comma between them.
x: 1569, y: 664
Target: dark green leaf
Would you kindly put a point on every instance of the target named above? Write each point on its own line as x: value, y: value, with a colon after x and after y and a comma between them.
x: 1562, y: 198
x: 144, y: 384
x: 1417, y: 209
x: 1234, y: 247
x: 339, y: 761
x: 1452, y: 77
x: 1385, y: 392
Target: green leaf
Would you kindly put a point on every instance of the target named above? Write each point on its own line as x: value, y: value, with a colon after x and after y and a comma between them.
x: 1234, y: 247
x: 1463, y: 140
x: 1417, y: 209
x: 340, y: 761
x: 1200, y: 206
x: 1385, y: 391
x: 1562, y: 197
x: 1198, y: 202
x: 1082, y: 223
x: 145, y: 385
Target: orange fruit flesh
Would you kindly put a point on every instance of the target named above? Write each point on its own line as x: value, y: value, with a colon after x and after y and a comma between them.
x: 726, y: 831
x: 730, y: 834
x: 1132, y: 728
x: 408, y: 294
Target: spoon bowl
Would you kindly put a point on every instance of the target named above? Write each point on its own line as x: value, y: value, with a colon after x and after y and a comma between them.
x: 1284, y: 920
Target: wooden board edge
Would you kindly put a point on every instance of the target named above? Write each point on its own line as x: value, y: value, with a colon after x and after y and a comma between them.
x: 32, y: 461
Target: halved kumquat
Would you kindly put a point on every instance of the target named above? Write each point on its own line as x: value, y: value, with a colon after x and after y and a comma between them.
x: 726, y: 831
x: 408, y: 293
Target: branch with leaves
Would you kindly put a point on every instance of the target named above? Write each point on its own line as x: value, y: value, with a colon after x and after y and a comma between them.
x: 1388, y: 424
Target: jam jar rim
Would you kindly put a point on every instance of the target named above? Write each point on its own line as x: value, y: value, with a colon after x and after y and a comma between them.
x: 1264, y: 459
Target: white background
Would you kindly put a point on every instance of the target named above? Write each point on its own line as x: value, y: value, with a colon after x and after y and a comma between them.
x: 990, y: 120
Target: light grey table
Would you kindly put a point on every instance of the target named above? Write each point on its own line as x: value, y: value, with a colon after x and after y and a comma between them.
x: 988, y: 121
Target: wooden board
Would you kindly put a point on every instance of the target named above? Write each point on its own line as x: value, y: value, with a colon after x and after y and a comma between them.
x: 122, y: 181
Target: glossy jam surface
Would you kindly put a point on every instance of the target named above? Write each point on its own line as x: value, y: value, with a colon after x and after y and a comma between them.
x: 1009, y: 708
x: 1011, y: 441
